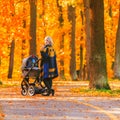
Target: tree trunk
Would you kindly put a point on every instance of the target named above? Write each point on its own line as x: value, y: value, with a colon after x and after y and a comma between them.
x: 117, y: 52
x: 88, y: 34
x: 23, y: 41
x: 81, y: 63
x: 80, y: 75
x: 71, y: 17
x: 11, y: 60
x: 33, y: 26
x: 62, y: 76
x: 97, y: 62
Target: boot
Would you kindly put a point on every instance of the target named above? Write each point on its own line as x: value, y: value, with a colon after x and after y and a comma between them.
x: 49, y: 92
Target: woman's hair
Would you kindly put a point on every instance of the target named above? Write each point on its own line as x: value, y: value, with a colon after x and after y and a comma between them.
x: 48, y: 38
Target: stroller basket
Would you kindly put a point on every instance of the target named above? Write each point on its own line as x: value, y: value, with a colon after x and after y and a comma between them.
x: 33, y: 72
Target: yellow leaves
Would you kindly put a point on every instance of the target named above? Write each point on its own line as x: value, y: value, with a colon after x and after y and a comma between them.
x: 61, y: 54
x: 66, y: 27
x: 3, y: 30
x: 64, y: 3
x: 111, y: 24
x: 15, y: 21
x: 2, y: 115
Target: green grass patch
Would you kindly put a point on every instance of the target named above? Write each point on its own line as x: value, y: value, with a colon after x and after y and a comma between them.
x: 83, y: 91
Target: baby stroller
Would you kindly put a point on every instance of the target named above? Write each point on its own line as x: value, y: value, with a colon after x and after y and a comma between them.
x: 30, y: 70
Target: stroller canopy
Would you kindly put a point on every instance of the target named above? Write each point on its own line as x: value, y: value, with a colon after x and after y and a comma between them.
x: 29, y: 62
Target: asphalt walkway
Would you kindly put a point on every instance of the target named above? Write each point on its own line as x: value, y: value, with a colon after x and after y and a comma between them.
x: 63, y: 106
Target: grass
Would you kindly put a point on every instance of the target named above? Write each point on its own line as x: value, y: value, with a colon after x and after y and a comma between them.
x: 78, y: 87
x: 8, y: 84
x: 114, y: 92
x: 83, y: 91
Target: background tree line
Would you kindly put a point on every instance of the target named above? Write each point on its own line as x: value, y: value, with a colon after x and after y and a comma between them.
x: 85, y: 33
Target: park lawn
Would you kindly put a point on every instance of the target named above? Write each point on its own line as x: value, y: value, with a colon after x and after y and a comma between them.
x: 114, y: 92
x: 95, y: 93
x: 81, y: 90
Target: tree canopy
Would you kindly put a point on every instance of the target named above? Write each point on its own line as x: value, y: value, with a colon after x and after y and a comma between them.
x: 15, y: 25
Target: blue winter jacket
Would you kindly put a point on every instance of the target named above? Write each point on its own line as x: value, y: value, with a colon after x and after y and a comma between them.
x: 48, y: 64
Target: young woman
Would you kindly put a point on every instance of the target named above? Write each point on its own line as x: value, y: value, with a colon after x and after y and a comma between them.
x: 48, y: 65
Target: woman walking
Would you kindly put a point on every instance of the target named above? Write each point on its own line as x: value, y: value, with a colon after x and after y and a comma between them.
x: 48, y: 65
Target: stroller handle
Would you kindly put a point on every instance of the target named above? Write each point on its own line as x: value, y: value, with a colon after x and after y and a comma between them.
x: 35, y: 63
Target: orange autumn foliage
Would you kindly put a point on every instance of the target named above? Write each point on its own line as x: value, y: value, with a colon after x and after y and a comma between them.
x: 14, y: 12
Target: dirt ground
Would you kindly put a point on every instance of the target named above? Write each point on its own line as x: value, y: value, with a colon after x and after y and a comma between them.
x: 65, y: 105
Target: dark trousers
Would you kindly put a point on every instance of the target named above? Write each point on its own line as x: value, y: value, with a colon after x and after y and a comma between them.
x: 48, y: 83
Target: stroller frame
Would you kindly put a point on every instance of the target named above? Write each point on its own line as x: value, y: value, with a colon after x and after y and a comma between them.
x: 31, y: 88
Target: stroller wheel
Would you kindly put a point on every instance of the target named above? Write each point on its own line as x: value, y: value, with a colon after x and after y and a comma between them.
x: 31, y: 90
x: 24, y: 92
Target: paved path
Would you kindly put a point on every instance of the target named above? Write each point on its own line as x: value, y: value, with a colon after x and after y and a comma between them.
x: 63, y: 106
